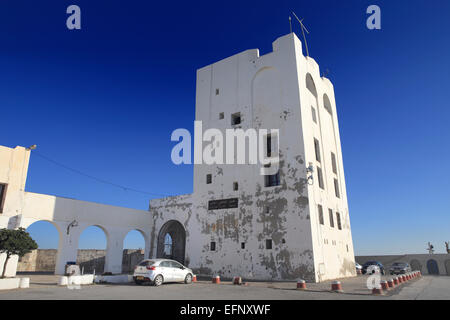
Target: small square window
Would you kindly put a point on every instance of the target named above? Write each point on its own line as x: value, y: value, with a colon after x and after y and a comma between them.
x: 236, y: 118
x: 235, y: 186
x: 269, y: 244
x: 272, y: 180
x: 208, y: 178
x: 221, y: 115
x: 242, y: 245
x: 212, y: 246
x: 217, y: 92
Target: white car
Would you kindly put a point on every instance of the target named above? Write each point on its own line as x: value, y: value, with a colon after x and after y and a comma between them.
x: 159, y: 271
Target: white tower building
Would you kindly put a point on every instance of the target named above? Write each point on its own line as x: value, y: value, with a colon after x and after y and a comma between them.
x: 237, y: 222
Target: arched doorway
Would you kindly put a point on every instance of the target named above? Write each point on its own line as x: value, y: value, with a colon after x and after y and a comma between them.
x: 415, y: 265
x: 92, y: 246
x: 42, y: 260
x: 133, y: 250
x: 172, y: 241
x: 432, y: 267
x: 447, y: 267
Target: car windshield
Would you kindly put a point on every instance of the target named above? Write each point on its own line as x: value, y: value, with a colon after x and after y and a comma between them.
x: 400, y: 264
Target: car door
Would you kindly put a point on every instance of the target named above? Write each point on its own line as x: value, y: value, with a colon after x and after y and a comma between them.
x: 178, y: 271
x: 166, y: 271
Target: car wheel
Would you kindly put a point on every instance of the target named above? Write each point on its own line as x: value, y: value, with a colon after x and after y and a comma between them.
x: 158, y: 280
x: 188, y: 278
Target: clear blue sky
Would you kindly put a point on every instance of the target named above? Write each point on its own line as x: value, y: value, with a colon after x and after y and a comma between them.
x: 105, y: 99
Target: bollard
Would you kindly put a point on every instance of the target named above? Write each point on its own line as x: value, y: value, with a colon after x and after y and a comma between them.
x: 336, y: 286
x: 216, y: 280
x: 395, y: 281
x: 24, y: 283
x: 237, y: 280
x: 63, y: 281
x: 403, y: 278
x: 301, y: 284
x: 377, y: 291
x: 384, y: 285
x: 391, y: 283
x: 400, y: 279
x: 194, y: 278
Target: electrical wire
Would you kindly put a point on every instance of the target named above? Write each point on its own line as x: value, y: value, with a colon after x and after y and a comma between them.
x: 125, y: 188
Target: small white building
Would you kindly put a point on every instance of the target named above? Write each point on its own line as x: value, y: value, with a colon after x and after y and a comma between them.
x: 290, y: 225
x: 287, y: 226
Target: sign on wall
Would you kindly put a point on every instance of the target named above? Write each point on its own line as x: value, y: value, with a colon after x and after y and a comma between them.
x: 223, y: 204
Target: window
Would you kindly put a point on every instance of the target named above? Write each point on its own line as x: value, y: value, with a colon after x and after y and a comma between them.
x: 317, y: 149
x: 269, y: 145
x: 242, y: 245
x: 330, y: 214
x: 221, y: 115
x: 338, y: 220
x: 269, y: 244
x: 235, y: 186
x: 217, y: 92
x: 175, y: 264
x: 336, y: 188
x: 319, y: 207
x: 208, y: 178
x: 212, y: 246
x: 3, y: 188
x: 236, y: 118
x: 267, y: 210
x: 168, y: 245
x: 272, y: 180
x: 313, y: 112
x: 320, y: 177
x: 333, y: 162
x: 283, y: 241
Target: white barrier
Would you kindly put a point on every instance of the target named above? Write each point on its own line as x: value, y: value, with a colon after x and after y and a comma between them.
x: 9, y: 283
x: 76, y: 280
x: 24, y: 283
x: 120, y: 278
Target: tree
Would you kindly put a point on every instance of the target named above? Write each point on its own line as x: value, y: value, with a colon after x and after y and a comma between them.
x: 15, y: 242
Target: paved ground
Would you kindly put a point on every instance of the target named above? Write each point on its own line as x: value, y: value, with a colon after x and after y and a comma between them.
x: 44, y: 287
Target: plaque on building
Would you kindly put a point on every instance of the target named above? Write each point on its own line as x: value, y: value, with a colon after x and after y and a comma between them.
x: 223, y: 204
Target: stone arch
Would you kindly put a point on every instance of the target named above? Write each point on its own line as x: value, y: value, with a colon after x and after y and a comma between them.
x: 416, y: 265
x: 131, y: 258
x: 41, y: 261
x: 447, y: 266
x: 177, y: 234
x: 432, y: 267
x: 95, y: 259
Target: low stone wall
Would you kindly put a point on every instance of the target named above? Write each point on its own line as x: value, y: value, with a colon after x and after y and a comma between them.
x: 426, y: 263
x: 44, y: 260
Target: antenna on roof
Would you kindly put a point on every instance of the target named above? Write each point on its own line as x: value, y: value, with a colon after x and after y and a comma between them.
x: 302, y: 26
x: 290, y: 24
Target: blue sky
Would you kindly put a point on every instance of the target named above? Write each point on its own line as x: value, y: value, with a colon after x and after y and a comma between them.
x: 105, y: 99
